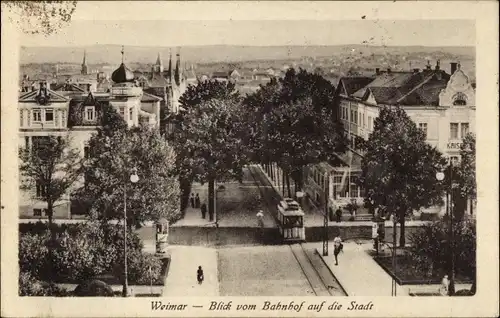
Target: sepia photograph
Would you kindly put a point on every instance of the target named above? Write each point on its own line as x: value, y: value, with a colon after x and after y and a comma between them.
x: 163, y: 158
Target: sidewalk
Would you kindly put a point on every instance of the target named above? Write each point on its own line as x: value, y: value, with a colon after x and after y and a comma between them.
x: 357, y: 272
x: 181, y: 279
x: 237, y: 205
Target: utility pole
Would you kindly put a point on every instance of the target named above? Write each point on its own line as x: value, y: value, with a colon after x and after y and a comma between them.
x: 451, y: 289
x: 325, y: 219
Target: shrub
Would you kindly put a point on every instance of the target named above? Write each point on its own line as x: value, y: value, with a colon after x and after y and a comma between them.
x: 93, y: 288
x: 139, y: 265
x: 33, y: 254
x: 87, y: 250
x: 29, y: 286
x: 431, y: 247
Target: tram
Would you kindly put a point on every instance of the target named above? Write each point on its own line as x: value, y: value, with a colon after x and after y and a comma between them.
x: 291, y: 221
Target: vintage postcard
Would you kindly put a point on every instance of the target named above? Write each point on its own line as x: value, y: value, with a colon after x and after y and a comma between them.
x: 201, y: 159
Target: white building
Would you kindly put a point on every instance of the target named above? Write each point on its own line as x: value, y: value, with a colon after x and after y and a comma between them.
x: 45, y: 112
x: 443, y: 106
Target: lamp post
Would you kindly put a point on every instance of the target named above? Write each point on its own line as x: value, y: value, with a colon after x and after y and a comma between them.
x: 394, y: 236
x: 133, y: 178
x: 325, y: 218
x: 440, y: 176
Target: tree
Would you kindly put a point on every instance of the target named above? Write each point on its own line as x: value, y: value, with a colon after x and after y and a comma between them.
x: 40, y: 17
x: 49, y: 169
x: 113, y: 159
x: 207, y: 90
x: 194, y: 96
x: 399, y: 167
x: 212, y: 134
x: 297, y: 121
x: 431, y: 245
x: 466, y: 173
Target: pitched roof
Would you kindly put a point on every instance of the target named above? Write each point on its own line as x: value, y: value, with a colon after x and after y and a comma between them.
x: 157, y: 80
x: 150, y: 98
x: 354, y: 83
x: 405, y: 88
x: 68, y: 87
x: 32, y: 96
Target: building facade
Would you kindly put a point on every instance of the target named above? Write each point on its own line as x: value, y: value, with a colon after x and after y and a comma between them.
x: 76, y: 116
x: 441, y: 105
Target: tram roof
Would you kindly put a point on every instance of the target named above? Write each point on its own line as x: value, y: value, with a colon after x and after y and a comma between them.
x: 297, y: 212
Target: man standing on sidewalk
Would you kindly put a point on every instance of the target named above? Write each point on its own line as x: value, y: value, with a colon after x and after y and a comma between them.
x: 337, y: 248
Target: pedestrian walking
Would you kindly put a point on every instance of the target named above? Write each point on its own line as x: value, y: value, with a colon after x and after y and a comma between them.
x: 338, y: 214
x: 445, y: 285
x: 337, y: 248
x: 197, y: 201
x: 191, y: 199
x: 203, y: 210
x: 260, y: 219
x: 199, y: 275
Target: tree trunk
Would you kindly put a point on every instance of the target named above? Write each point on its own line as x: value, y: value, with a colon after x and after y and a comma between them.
x: 271, y: 170
x: 283, y: 181
x: 211, y: 198
x: 288, y: 185
x: 402, y: 239
x: 300, y: 177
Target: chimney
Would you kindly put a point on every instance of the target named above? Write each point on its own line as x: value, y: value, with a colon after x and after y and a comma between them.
x: 389, y: 70
x: 428, y: 66
x: 453, y: 67
x: 88, y: 87
x: 438, y: 65
x: 416, y: 70
x: 377, y: 71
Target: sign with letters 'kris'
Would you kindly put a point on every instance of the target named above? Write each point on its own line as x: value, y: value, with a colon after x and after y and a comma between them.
x: 454, y: 145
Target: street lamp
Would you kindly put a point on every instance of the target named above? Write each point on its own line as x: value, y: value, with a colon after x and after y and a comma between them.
x: 325, y: 218
x: 134, y: 178
x: 440, y: 176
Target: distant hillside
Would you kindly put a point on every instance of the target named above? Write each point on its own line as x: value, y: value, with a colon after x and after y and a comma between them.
x: 97, y: 54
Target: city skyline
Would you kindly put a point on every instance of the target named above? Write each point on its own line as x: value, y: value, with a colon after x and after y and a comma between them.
x: 256, y: 33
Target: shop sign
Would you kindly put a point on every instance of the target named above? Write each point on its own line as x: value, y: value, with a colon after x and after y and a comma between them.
x: 454, y: 145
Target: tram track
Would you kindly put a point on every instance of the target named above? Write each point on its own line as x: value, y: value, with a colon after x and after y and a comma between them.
x: 313, y: 277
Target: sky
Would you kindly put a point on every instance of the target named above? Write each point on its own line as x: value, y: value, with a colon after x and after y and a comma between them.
x: 181, y: 24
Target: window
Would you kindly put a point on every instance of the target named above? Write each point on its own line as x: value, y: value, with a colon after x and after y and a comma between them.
x: 364, y: 120
x: 49, y: 115
x: 27, y: 142
x: 122, y: 112
x: 37, y: 115
x: 370, y: 123
x: 63, y: 116
x: 453, y: 130
x: 454, y: 160
x: 459, y: 99
x: 423, y: 128
x: 130, y: 114
x: 464, y: 129
x: 89, y: 113
x: 21, y: 118
x: 40, y: 190
x: 37, y: 212
x: 86, y: 152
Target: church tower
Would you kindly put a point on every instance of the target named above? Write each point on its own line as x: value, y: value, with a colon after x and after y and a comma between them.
x: 170, y: 70
x: 158, y: 67
x: 85, y: 68
x: 178, y: 72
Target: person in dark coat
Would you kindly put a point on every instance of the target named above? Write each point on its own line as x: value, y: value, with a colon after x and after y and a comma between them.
x: 199, y: 275
x: 191, y: 199
x: 197, y: 201
x: 203, y: 209
x: 338, y: 214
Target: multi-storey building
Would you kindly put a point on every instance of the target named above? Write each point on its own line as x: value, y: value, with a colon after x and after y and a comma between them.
x: 44, y: 112
x: 440, y: 104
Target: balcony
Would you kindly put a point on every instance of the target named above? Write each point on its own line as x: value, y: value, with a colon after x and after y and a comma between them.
x: 126, y: 91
